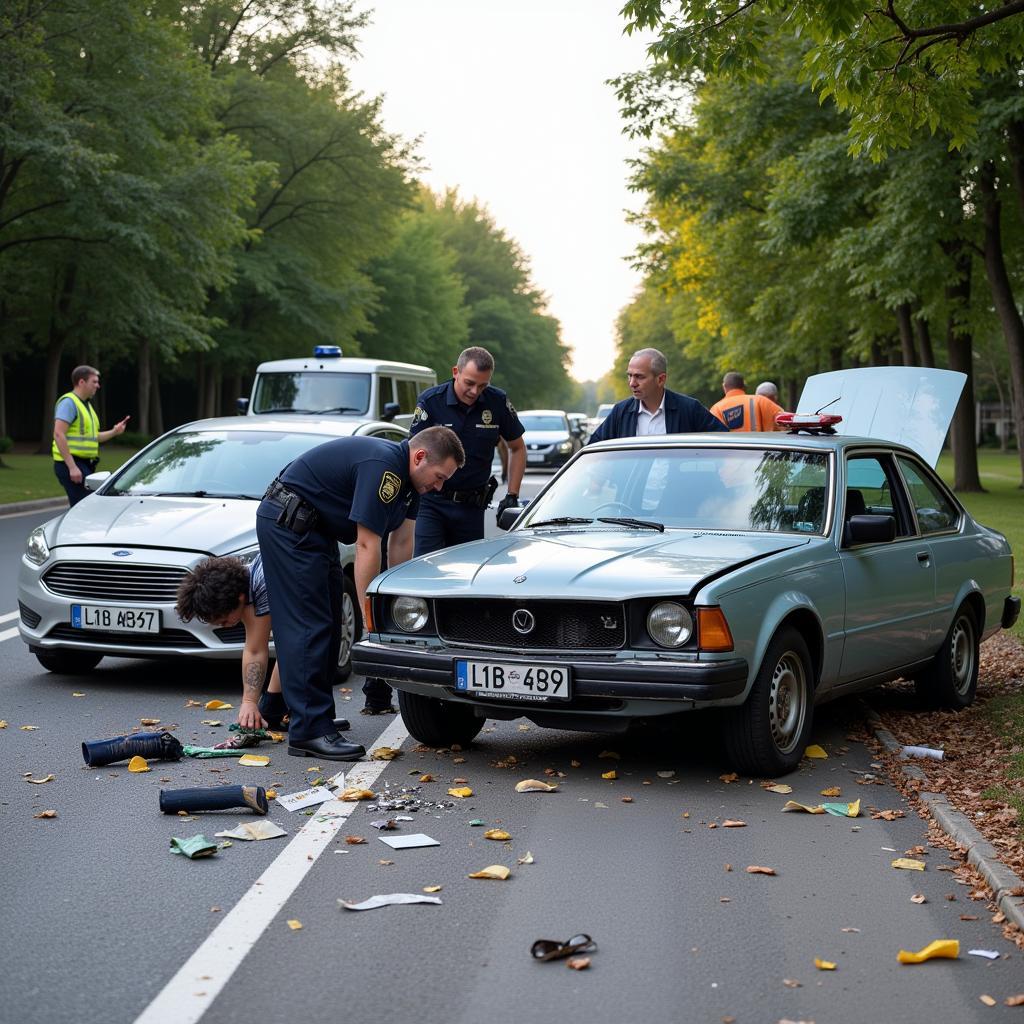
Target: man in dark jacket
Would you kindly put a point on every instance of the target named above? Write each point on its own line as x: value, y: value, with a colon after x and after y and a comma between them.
x: 653, y: 409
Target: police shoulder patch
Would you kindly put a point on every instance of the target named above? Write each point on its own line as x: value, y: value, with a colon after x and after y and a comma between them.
x: 390, y: 485
x: 511, y: 407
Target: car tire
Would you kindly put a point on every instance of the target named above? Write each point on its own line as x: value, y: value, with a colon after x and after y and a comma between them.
x: 767, y: 735
x: 351, y: 628
x: 68, y: 663
x: 951, y: 680
x: 439, y: 723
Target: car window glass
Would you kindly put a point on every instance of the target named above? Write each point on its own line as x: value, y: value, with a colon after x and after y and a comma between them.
x: 408, y: 391
x: 712, y: 489
x: 385, y: 394
x: 869, y: 490
x: 558, y: 423
x: 934, y: 510
x: 312, y: 392
x: 233, y: 462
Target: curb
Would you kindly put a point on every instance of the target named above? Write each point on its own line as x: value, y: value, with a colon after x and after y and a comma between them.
x: 980, y: 852
x: 37, y: 505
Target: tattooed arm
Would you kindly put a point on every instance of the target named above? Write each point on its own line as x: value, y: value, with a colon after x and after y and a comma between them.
x: 254, y: 668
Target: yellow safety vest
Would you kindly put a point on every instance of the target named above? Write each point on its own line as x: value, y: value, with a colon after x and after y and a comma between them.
x: 83, y: 434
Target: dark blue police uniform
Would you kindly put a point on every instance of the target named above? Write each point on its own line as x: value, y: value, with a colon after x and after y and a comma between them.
x: 455, y: 514
x: 317, y: 501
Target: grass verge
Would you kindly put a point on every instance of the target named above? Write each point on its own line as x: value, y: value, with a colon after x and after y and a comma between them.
x: 29, y: 477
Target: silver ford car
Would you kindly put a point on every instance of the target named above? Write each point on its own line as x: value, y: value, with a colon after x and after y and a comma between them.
x: 101, y: 579
x: 759, y: 573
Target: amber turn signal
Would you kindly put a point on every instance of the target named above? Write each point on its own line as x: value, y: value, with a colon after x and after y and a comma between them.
x: 368, y: 615
x: 713, y: 631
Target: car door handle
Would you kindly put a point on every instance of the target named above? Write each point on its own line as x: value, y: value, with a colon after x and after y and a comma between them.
x: 924, y: 557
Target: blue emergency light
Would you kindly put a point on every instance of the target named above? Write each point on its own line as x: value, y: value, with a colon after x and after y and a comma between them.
x: 327, y: 352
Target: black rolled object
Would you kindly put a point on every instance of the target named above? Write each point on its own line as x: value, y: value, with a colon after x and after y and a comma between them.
x: 159, y: 746
x: 214, y: 798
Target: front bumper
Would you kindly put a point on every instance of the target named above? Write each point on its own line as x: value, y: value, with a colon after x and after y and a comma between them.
x: 614, y: 685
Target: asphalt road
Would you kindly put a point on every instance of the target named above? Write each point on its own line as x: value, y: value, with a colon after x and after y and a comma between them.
x: 102, y: 923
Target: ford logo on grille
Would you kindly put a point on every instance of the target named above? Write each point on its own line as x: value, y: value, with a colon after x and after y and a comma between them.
x: 519, y: 579
x: 121, y: 554
x: 523, y: 621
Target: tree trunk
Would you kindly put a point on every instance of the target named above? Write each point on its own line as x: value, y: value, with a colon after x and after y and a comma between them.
x: 960, y: 348
x: 145, y: 383
x: 1015, y: 143
x: 3, y: 399
x: 156, y: 408
x: 906, y: 333
x: 836, y: 357
x: 200, y: 384
x: 924, y: 342
x: 1002, y: 296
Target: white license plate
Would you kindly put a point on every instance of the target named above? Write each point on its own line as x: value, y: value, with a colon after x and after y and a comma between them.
x: 514, y: 680
x: 534, y: 456
x: 115, y: 620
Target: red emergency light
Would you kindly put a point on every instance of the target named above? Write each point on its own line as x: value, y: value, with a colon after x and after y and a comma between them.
x: 808, y: 422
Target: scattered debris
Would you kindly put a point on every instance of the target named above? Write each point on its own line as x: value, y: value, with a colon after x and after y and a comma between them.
x: 535, y: 786
x: 46, y: 814
x: 908, y: 864
x: 215, y: 798
x: 432, y: 888
x: 578, y: 963
x: 461, y: 792
x: 988, y: 954
x: 792, y: 805
x: 217, y: 705
x: 138, y: 764
x: 194, y: 847
x: 496, y: 871
x: 354, y: 840
x: 498, y: 834
x: 251, y: 831
x: 612, y: 775
x: 305, y: 798
x: 756, y: 869
x: 385, y: 754
x: 666, y: 775
x: 413, y: 841
x: 733, y: 823
x: 832, y: 791
x: 254, y: 760
x: 940, y: 948
x: 919, y: 898
x: 385, y: 824
x: 393, y: 899
x: 527, y: 858
x: 294, y: 924
x: 545, y: 950
x: 824, y: 965
x: 816, y: 752
x: 930, y: 752
x: 777, y: 787
x: 149, y: 721
x: 355, y: 793
x: 44, y: 779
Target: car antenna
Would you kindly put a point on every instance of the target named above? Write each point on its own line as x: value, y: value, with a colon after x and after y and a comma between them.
x: 827, y: 404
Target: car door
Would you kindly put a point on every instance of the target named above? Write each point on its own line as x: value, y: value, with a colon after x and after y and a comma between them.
x: 890, y: 586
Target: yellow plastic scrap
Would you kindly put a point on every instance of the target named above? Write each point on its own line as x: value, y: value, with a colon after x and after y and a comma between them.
x: 824, y: 965
x: 254, y: 760
x: 497, y: 833
x: 218, y: 705
x: 792, y: 805
x: 908, y: 864
x: 460, y: 792
x: 948, y: 949
x: 496, y: 871
x: 138, y: 764
x: 815, y: 751
x: 613, y: 774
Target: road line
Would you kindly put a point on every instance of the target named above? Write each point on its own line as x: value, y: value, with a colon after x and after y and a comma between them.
x: 9, y: 616
x: 8, y: 634
x: 191, y: 992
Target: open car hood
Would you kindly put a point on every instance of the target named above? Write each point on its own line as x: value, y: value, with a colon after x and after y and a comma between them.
x: 909, y: 405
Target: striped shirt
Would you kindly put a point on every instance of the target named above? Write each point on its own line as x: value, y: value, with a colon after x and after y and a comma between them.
x: 258, y: 597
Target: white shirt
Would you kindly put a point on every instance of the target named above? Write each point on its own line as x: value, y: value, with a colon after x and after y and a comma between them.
x: 650, y: 422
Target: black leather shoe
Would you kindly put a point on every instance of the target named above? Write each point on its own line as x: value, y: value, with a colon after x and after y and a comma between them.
x: 342, y: 724
x: 331, y: 748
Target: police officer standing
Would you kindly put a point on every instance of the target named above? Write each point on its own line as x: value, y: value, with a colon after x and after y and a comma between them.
x: 480, y: 414
x: 354, y: 489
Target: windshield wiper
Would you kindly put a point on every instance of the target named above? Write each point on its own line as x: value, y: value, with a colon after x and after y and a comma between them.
x: 637, y: 524
x: 278, y: 408
x: 337, y: 408
x: 198, y: 494
x: 562, y: 521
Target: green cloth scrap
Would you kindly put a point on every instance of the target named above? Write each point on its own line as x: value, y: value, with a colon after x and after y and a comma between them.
x: 260, y: 734
x: 194, y: 846
x: 209, y: 752
x: 838, y: 810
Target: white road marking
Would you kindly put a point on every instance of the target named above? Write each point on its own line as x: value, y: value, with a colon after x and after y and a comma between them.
x: 35, y: 511
x: 8, y: 634
x: 9, y: 616
x: 191, y: 992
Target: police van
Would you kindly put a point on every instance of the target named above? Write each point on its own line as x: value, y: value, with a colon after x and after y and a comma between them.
x: 329, y: 384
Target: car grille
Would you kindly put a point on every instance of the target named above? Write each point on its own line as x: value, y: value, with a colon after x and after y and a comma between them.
x: 231, y: 634
x: 105, y: 581
x: 29, y: 617
x: 165, y: 638
x: 570, y: 625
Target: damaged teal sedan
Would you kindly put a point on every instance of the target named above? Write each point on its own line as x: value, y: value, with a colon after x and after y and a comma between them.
x: 760, y: 573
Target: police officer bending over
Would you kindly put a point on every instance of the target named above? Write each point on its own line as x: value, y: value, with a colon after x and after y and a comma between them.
x: 480, y: 414
x: 354, y: 489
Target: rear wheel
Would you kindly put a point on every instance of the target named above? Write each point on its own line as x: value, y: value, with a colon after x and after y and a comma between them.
x: 68, y: 663
x: 768, y: 734
x: 351, y: 628
x: 951, y: 681
x: 439, y: 723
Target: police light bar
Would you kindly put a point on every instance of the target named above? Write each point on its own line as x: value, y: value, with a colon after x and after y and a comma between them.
x: 809, y: 422
x: 327, y: 351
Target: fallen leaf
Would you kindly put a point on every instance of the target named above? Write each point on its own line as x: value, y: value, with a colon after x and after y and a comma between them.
x: 626, y: 799
x: 190, y: 703
x: 854, y: 930
x: 729, y: 777
x: 792, y: 805
x: 832, y: 791
x: 728, y: 867
x: 45, y: 814
x: 572, y: 764
x: 968, y: 917
x: 908, y: 864
x: 815, y: 751
x: 524, y: 728
x: 1017, y: 1000
x: 217, y: 705
x: 578, y: 963
x: 426, y: 778
x: 385, y: 863
x: 665, y: 775
x: 987, y: 1000
x: 755, y: 869
x: 432, y: 888
x: 941, y: 948
x: 733, y: 823
x: 39, y: 782
x: 28, y: 728
x: 354, y: 793
x: 3, y: 723
x: 461, y: 792
x: 149, y: 721
x: 778, y: 787
x: 851, y: 810
x: 294, y: 924
x: 77, y: 693
x: 791, y: 983
x: 919, y: 898
x: 535, y: 786
x: 254, y: 760
x: 138, y: 764
x: 613, y: 774
x: 385, y: 753
x: 527, y: 858
x: 455, y: 760
x: 886, y: 815
x: 824, y: 965
x: 498, y: 834
x: 354, y: 840
x: 611, y: 754
x: 496, y: 871
x: 210, y: 721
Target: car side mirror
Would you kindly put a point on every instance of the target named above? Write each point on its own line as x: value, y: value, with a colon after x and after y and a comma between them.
x: 870, y: 530
x: 241, y: 406
x: 508, y: 516
x: 391, y: 410
x: 94, y: 481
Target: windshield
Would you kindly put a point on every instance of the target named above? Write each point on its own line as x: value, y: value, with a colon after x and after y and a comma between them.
x: 542, y: 422
x: 604, y: 409
x: 314, y: 392
x: 694, y: 488
x: 223, y: 463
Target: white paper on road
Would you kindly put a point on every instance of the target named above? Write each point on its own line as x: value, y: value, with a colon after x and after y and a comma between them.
x: 410, y: 842
x: 989, y: 954
x: 305, y: 798
x: 251, y: 831
x: 392, y: 899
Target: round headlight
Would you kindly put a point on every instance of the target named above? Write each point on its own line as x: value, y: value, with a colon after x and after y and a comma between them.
x: 565, y: 446
x: 37, y: 550
x: 409, y: 613
x: 669, y: 624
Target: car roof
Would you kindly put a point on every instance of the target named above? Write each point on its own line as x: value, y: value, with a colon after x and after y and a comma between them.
x: 344, y: 364
x: 329, y: 426
x: 767, y: 439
